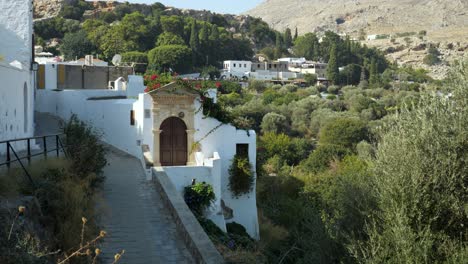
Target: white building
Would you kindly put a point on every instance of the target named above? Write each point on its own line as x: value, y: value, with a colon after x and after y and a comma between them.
x: 204, y: 147
x: 317, y: 68
x: 16, y: 82
x: 236, y: 69
x: 237, y: 66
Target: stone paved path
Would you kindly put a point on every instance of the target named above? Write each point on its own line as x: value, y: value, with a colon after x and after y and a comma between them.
x: 133, y: 214
x: 135, y: 218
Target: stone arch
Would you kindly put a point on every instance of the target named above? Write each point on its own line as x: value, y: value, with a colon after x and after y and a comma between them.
x: 167, y: 105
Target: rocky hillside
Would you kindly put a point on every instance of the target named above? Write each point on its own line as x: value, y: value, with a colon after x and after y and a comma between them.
x: 444, y: 24
x: 440, y: 18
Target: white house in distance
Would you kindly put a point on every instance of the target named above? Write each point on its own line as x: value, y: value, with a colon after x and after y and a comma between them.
x: 166, y: 128
x: 16, y: 78
x: 233, y: 68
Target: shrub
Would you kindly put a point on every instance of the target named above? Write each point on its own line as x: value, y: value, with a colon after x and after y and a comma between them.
x: 333, y: 89
x: 236, y: 229
x: 320, y: 159
x: 198, y: 197
x: 420, y: 177
x: 256, y: 85
x: 241, y: 176
x: 273, y: 122
x: 86, y: 153
x: 346, y: 132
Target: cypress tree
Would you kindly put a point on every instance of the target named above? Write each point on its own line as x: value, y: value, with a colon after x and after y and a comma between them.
x: 194, y: 42
x: 373, y: 73
x: 204, y: 34
x: 214, y: 36
x: 287, y: 38
x: 333, y: 73
x: 296, y: 35
x: 279, y: 45
x: 194, y: 38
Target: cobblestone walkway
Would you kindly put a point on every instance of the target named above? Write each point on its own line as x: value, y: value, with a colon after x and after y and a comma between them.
x: 135, y: 218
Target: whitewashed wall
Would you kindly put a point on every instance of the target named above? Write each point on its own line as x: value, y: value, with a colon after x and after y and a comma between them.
x: 16, y: 102
x: 110, y: 117
x: 182, y: 176
x: 16, y: 29
x: 223, y: 141
x: 16, y: 105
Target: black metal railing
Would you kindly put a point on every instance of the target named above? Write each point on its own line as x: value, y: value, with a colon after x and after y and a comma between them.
x: 29, y: 155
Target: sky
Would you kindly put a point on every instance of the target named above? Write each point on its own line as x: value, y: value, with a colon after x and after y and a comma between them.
x: 218, y: 6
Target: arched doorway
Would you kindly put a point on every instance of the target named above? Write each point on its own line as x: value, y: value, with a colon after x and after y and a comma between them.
x: 173, y: 142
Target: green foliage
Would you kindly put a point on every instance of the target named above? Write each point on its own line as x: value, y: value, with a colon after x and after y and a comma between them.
x: 321, y: 158
x: 241, y: 176
x: 136, y: 57
x: 307, y: 46
x: 198, y: 197
x: 420, y: 181
x: 171, y: 56
x: 210, y: 72
x: 310, y: 79
x: 76, y: 45
x: 333, y: 73
x: 173, y: 24
x: 169, y: 38
x: 344, y: 132
x: 85, y: 151
x: 74, y: 9
x: 273, y: 122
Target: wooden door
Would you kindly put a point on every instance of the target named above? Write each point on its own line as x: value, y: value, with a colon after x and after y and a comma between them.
x: 173, y: 142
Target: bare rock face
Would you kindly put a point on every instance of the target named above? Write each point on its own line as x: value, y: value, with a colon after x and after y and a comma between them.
x: 44, y: 9
x: 440, y: 18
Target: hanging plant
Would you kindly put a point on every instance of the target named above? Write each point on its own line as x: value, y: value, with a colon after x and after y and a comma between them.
x: 241, y: 176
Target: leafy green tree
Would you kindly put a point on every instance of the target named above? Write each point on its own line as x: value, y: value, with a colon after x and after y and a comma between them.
x: 173, y: 24
x: 333, y: 74
x: 273, y: 122
x: 345, y: 132
x: 321, y: 158
x: 420, y: 178
x: 141, y: 58
x: 74, y: 9
x: 168, y: 38
x: 76, y: 45
x: 167, y: 57
x: 307, y: 46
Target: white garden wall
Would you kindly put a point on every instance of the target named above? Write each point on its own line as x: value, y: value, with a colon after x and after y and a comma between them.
x: 109, y: 117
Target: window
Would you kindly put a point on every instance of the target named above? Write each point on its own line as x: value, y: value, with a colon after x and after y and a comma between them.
x: 132, y: 117
x: 245, y: 65
x: 269, y: 66
x: 242, y: 150
x: 234, y: 65
x: 147, y: 113
x: 274, y: 66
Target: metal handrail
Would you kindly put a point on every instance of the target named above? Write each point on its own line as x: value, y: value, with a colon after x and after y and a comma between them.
x: 10, y: 149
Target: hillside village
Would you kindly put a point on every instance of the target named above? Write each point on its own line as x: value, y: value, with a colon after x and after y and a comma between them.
x: 133, y: 133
